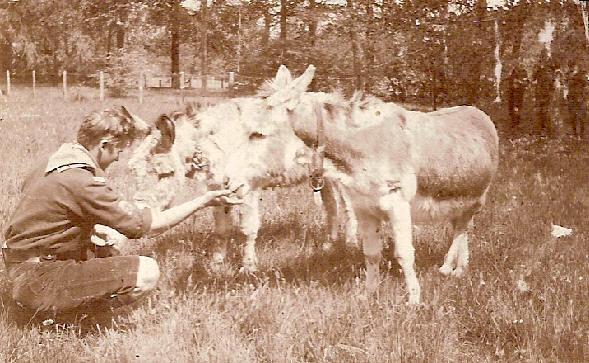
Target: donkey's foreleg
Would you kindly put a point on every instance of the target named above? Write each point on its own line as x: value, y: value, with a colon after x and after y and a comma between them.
x: 249, y: 223
x: 329, y: 198
x: 399, y: 212
x: 351, y: 222
x: 223, y: 225
x: 372, y: 246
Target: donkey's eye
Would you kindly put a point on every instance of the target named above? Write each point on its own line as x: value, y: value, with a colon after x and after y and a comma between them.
x: 256, y: 136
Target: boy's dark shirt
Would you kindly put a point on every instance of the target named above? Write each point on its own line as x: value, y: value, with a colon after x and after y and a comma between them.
x: 59, y: 208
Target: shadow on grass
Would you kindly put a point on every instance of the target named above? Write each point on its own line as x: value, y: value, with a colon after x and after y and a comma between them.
x: 282, y: 259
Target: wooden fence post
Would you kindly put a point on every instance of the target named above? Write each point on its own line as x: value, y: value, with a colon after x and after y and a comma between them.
x: 182, y: 85
x: 101, y: 85
x: 140, y: 88
x: 7, y: 83
x: 231, y: 79
x: 34, y: 83
x: 64, y: 84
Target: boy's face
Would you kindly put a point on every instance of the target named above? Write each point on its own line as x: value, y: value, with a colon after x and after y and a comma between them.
x: 109, y: 152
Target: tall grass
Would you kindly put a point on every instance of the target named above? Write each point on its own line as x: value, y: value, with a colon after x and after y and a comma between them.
x: 525, y: 296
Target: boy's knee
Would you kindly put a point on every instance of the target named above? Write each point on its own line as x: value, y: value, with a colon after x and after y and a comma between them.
x: 148, y: 273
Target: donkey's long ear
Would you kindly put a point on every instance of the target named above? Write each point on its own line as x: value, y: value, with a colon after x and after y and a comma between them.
x: 126, y: 112
x: 139, y: 127
x: 166, y: 127
x: 289, y: 96
x: 283, y: 77
x: 300, y: 84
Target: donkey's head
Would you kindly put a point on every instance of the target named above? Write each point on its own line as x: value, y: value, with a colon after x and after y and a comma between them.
x: 268, y: 152
x: 164, y: 157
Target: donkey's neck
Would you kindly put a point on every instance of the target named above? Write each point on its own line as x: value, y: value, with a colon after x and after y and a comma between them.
x: 335, y: 139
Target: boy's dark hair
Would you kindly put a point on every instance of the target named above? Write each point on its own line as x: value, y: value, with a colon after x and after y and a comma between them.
x: 114, y: 123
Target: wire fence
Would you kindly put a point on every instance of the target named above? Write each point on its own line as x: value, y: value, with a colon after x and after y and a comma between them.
x: 101, y: 84
x: 104, y: 84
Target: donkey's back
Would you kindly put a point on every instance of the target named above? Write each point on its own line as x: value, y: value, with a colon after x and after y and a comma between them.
x: 456, y: 152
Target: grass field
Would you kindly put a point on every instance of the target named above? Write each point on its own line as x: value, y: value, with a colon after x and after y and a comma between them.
x: 524, y: 298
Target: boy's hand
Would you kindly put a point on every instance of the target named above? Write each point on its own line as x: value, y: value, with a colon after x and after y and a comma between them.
x: 222, y: 197
x: 106, y: 236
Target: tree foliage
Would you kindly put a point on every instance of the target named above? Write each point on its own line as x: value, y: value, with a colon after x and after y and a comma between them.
x: 433, y: 51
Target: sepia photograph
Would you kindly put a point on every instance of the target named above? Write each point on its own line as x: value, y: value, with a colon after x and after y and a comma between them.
x: 294, y: 181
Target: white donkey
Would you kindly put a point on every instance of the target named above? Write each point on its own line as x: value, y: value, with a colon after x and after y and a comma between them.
x: 206, y: 145
x: 395, y: 165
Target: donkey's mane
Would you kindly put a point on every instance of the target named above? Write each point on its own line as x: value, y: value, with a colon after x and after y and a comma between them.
x: 339, y: 106
x: 200, y: 114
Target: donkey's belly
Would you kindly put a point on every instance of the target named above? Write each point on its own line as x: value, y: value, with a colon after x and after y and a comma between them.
x: 426, y: 209
x: 294, y: 175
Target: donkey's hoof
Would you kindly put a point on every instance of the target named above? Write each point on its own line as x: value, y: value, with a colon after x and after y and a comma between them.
x: 458, y: 272
x: 413, y: 301
x: 446, y: 270
x: 352, y: 242
x: 248, y: 268
x: 218, y: 258
x: 217, y: 267
x: 353, y: 245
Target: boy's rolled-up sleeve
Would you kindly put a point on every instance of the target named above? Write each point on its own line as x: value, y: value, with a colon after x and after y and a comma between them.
x: 100, y: 204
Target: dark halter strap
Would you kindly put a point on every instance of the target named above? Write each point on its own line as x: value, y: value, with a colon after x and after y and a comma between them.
x: 316, y: 179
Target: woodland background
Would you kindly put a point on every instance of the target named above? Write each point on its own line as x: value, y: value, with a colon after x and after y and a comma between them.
x: 431, y: 52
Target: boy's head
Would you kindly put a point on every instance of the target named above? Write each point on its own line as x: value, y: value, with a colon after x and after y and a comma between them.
x: 114, y: 125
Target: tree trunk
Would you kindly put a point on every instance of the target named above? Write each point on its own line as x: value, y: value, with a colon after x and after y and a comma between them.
x: 175, y: 46
x: 283, y: 30
x: 312, y: 22
x: 108, y: 45
x: 444, y: 86
x: 480, y: 9
x: 498, y: 64
x: 369, y: 48
x: 204, y: 60
x: 266, y: 32
x: 122, y: 20
x: 238, y: 61
x: 585, y: 20
x: 518, y: 30
x: 387, y: 14
x: 5, y: 56
x: 354, y: 43
x: 434, y: 87
x: 120, y: 36
x: 55, y: 67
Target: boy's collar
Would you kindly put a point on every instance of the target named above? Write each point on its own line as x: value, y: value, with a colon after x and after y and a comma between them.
x: 70, y: 155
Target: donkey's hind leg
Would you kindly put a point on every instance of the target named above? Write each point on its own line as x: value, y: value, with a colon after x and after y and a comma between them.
x: 223, y: 226
x: 372, y: 247
x: 456, y: 260
x: 351, y: 221
x: 249, y: 222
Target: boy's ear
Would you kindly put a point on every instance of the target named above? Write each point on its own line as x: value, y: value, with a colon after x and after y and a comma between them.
x: 103, y: 143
